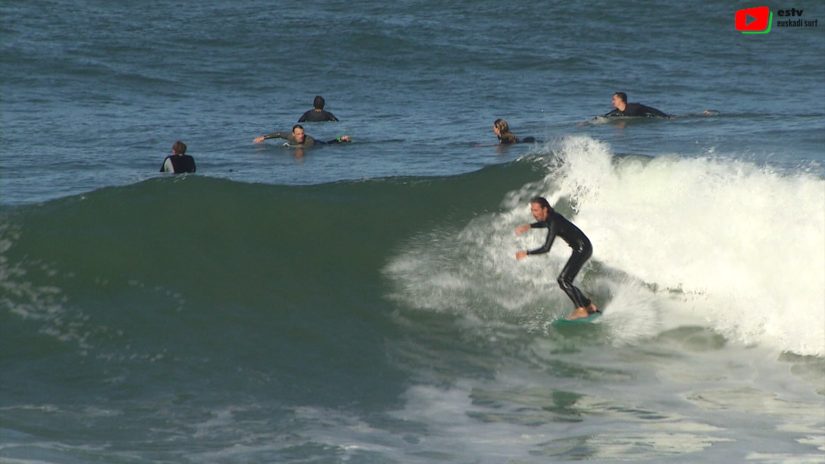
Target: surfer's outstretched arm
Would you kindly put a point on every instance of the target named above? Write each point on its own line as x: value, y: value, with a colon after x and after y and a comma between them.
x: 341, y: 139
x: 273, y: 135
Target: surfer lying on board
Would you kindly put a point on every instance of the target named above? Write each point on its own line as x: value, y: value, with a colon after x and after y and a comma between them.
x: 299, y: 138
x: 505, y: 137
x: 623, y: 108
x: 557, y: 225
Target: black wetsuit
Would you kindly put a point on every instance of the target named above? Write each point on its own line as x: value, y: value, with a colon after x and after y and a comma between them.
x: 308, y: 140
x: 178, y: 164
x: 558, y: 225
x: 508, y: 138
x: 637, y: 110
x: 317, y: 116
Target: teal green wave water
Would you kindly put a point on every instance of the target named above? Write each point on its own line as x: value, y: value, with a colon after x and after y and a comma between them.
x: 210, y: 280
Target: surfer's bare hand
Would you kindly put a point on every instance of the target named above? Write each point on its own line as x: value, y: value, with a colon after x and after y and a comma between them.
x: 521, y: 254
x: 522, y: 229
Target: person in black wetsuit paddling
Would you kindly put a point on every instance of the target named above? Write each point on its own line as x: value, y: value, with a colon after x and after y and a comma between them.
x: 505, y: 137
x: 317, y: 113
x: 558, y: 226
x: 178, y: 161
x: 299, y: 138
x: 623, y: 108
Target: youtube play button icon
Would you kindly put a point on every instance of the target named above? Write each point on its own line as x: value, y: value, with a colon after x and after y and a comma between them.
x: 753, y: 20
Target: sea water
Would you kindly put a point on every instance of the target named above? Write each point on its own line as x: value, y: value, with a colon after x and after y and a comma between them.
x: 361, y: 302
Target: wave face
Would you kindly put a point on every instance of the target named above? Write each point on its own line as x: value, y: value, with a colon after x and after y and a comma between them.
x: 204, y: 271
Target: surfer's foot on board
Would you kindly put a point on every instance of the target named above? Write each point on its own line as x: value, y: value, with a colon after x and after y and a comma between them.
x: 578, y: 313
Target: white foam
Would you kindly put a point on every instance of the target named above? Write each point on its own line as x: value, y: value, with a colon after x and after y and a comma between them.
x: 747, y: 242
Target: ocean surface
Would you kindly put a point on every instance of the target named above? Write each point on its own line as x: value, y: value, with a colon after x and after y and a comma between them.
x: 361, y: 303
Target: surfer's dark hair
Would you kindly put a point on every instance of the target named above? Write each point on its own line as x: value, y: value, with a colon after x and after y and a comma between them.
x: 504, y: 133
x: 622, y: 96
x: 319, y: 102
x: 501, y: 125
x: 179, y: 148
x: 297, y: 126
x: 541, y: 201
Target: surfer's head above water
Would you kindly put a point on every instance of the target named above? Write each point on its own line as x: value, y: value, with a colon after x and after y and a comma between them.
x: 179, y: 148
x: 619, y: 101
x: 502, y: 130
x: 500, y: 126
x: 298, y: 133
x: 319, y: 102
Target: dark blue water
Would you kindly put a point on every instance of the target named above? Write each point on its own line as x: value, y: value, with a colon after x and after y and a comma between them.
x: 95, y: 94
x: 360, y: 302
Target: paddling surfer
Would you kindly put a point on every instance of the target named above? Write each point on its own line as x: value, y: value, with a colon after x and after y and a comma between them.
x: 623, y: 108
x: 502, y: 130
x: 299, y: 138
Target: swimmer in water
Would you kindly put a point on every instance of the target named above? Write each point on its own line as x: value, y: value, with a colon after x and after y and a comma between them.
x: 623, y: 108
x: 559, y: 226
x: 317, y: 113
x: 502, y: 130
x: 178, y: 162
x: 299, y: 138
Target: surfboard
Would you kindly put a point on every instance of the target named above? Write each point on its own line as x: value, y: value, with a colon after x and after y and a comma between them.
x: 581, y: 321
